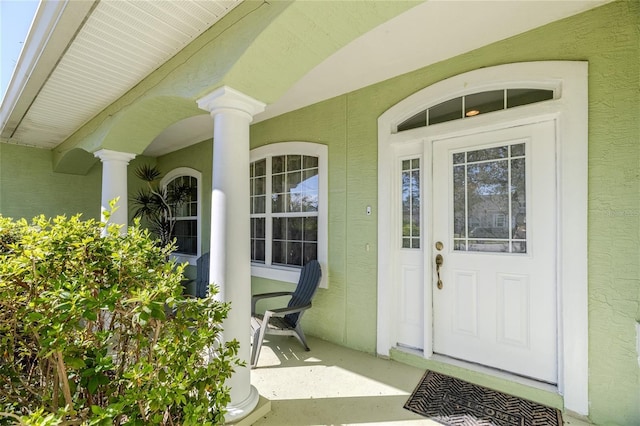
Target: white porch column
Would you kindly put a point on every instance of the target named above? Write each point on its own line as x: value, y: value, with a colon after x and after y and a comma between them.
x: 230, y: 267
x: 114, y: 184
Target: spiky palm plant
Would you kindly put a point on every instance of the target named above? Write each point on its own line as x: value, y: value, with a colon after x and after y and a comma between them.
x: 156, y: 204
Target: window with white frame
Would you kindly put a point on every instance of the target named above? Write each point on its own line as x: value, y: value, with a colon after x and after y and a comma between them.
x: 184, y: 192
x: 288, y: 208
x: 411, y: 203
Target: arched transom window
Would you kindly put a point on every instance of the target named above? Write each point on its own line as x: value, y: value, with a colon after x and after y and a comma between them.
x: 475, y: 104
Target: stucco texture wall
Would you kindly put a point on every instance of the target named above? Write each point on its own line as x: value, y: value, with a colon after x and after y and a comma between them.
x: 606, y: 37
x: 29, y: 186
x: 326, y: 123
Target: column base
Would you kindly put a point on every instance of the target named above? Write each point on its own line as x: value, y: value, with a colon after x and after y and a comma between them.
x: 238, y: 410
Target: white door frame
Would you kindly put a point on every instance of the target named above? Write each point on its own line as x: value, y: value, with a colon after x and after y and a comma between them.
x: 569, y: 109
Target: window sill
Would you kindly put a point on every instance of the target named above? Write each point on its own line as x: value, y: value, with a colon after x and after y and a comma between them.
x: 282, y: 273
x: 287, y: 275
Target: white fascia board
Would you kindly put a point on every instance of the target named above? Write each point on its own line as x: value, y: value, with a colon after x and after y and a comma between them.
x: 54, y: 27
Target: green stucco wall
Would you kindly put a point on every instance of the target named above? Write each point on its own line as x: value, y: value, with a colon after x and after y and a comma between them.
x: 606, y: 37
x: 29, y: 187
x: 325, y: 123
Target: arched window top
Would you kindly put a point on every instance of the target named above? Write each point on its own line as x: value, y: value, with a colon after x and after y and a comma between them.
x: 474, y: 104
x: 180, y: 171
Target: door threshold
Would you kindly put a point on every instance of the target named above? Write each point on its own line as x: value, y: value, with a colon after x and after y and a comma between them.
x: 495, y: 372
x: 410, y: 349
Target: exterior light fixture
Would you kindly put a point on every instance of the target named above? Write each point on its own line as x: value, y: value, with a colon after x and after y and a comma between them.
x: 472, y: 112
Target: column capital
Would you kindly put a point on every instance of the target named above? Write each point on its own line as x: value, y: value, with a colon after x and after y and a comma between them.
x: 109, y: 155
x: 227, y: 98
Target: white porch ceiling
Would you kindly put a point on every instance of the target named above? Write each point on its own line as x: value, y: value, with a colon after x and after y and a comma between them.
x: 119, y: 42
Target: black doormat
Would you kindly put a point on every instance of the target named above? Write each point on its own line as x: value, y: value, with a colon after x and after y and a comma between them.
x: 452, y: 401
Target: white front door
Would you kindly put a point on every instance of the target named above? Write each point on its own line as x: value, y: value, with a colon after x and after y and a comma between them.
x: 494, y: 230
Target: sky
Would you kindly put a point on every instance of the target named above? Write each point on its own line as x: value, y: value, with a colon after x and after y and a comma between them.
x: 15, y: 19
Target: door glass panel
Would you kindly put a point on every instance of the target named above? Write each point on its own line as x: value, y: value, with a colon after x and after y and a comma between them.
x: 459, y: 158
x: 411, y: 203
x: 459, y: 201
x: 487, y: 154
x: 489, y: 200
x: 517, y: 150
x: 518, y: 206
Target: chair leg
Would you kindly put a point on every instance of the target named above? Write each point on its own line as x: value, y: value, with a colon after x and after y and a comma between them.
x: 255, y: 347
x: 300, y: 336
x: 258, y: 337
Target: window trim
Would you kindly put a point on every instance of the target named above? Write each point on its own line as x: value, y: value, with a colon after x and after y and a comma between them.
x: 291, y: 274
x: 170, y: 176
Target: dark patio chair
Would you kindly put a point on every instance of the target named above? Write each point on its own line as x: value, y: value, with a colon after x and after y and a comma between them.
x: 286, y: 320
x: 202, y: 279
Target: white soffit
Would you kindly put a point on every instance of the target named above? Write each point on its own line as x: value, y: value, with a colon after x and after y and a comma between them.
x: 121, y: 42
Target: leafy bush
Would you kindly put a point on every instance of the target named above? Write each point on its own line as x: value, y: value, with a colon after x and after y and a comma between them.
x: 94, y: 330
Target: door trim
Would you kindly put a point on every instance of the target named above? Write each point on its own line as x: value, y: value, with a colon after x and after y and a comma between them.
x: 570, y: 111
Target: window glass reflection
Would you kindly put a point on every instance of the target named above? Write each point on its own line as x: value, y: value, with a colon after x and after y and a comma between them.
x: 489, y: 200
x: 293, y: 215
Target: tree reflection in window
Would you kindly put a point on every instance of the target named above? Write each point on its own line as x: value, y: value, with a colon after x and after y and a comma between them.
x: 411, y: 203
x: 292, y: 212
x: 489, y: 200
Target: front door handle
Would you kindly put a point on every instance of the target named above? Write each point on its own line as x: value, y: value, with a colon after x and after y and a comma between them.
x: 439, y: 262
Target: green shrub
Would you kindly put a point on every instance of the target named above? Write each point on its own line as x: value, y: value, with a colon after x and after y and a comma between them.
x: 94, y: 330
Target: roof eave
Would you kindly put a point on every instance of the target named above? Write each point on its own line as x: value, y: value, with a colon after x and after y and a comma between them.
x: 54, y: 27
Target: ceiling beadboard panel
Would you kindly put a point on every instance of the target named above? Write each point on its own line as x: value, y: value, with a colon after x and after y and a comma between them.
x: 121, y: 43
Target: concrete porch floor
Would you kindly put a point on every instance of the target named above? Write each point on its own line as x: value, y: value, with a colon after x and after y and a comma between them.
x: 333, y: 385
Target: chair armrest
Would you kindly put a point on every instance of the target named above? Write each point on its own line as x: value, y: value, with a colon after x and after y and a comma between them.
x: 274, y: 294
x: 256, y: 297
x: 282, y: 312
x: 286, y: 311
